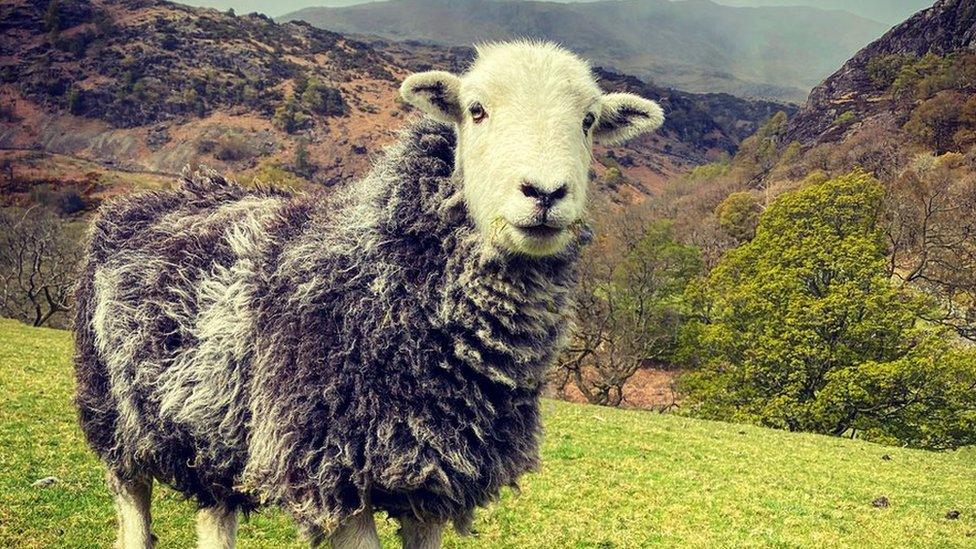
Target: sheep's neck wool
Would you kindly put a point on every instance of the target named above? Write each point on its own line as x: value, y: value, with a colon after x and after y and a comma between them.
x: 320, y: 353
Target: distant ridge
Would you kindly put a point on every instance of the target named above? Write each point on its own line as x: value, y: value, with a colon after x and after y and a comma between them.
x: 696, y: 45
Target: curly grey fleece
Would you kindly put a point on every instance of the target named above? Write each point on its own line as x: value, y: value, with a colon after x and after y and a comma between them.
x: 320, y: 353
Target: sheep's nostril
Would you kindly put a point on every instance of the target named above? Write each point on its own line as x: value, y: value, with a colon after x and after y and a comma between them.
x: 544, y: 199
x: 531, y: 191
x: 559, y: 193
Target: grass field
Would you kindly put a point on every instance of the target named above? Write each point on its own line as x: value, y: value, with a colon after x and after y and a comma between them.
x: 610, y: 478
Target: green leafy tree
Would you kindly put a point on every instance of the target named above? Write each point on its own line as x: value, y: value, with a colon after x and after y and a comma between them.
x: 801, y: 329
x: 738, y: 215
x: 762, y: 150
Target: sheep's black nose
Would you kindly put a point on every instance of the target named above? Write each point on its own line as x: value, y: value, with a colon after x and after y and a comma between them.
x: 543, y: 198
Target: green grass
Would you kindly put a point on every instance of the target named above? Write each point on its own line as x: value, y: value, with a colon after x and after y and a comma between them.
x: 610, y: 478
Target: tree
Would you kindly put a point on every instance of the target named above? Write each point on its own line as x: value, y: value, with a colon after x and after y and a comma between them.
x: 614, y: 178
x: 738, y: 215
x: 966, y: 135
x: 39, y: 257
x: 628, y: 311
x: 930, y: 228
x: 936, y: 120
x: 763, y: 148
x: 801, y: 329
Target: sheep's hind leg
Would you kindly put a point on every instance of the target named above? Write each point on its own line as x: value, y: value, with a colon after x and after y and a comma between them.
x: 216, y: 527
x: 132, y: 497
x: 356, y: 532
x: 420, y: 535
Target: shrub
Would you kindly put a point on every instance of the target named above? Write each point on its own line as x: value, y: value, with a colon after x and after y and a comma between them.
x: 936, y: 121
x: 233, y: 149
x: 69, y: 201
x: 614, y: 178
x: 320, y: 99
x: 75, y: 101
x: 289, y: 116
x: 302, y: 165
x: 801, y: 329
x: 844, y: 118
x: 883, y: 69
x: 53, y: 19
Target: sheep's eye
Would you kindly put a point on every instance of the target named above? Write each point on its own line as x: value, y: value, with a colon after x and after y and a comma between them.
x: 478, y: 112
x: 588, y: 121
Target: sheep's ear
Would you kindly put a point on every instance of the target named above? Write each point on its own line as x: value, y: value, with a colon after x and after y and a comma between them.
x: 435, y: 93
x: 624, y: 116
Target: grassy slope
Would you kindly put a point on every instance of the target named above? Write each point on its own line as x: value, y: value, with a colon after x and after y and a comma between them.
x: 610, y: 478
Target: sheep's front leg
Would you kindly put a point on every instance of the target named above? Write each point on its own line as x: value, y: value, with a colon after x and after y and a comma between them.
x: 132, y: 499
x: 357, y: 532
x: 216, y: 528
x: 420, y: 535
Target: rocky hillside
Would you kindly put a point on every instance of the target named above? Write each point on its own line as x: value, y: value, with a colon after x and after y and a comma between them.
x: 862, y: 88
x: 153, y: 86
x: 694, y: 45
x: 91, y: 89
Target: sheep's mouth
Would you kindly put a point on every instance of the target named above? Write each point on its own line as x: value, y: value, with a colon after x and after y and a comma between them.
x: 541, y: 231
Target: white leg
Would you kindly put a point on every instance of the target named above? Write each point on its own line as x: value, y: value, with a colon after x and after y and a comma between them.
x: 420, y: 535
x: 358, y: 532
x: 132, y: 507
x: 216, y: 528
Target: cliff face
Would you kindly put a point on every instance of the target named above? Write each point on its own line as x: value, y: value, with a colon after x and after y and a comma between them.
x: 948, y: 26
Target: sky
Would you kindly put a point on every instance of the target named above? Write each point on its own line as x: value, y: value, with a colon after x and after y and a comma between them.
x: 889, y: 12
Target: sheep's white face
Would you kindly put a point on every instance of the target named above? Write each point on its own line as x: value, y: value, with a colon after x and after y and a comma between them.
x: 527, y: 115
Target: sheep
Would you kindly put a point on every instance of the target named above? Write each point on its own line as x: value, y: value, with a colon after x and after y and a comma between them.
x: 378, y: 348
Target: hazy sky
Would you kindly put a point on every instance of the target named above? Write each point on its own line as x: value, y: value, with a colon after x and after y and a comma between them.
x: 885, y: 11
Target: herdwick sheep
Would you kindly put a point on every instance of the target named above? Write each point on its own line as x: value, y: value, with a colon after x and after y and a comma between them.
x: 380, y: 348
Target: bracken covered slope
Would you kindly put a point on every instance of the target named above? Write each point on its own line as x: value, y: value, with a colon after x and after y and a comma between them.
x: 152, y: 86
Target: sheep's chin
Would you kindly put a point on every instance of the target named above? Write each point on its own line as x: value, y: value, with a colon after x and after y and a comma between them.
x: 512, y: 239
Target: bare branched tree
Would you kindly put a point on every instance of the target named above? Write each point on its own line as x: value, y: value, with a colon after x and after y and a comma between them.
x: 931, y: 231
x: 627, y: 312
x: 39, y: 256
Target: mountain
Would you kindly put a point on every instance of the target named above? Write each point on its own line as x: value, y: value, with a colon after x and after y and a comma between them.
x: 861, y: 90
x: 695, y: 45
x: 889, y: 12
x: 104, y: 95
x: 268, y: 7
